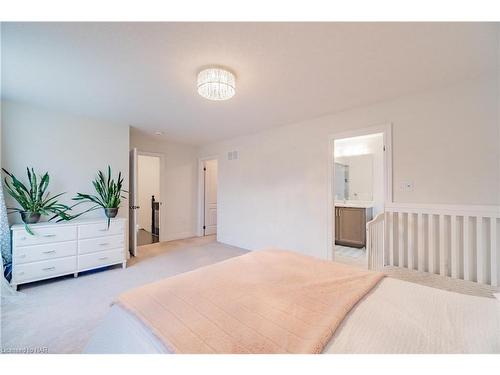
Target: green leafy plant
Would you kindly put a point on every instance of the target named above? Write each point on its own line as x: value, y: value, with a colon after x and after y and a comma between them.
x: 35, y: 198
x: 109, y: 192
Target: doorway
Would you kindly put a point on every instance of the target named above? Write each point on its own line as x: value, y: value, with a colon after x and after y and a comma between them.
x: 208, y: 195
x: 146, y: 191
x: 360, y: 179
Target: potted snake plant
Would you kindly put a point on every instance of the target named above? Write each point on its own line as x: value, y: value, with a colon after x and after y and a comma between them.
x: 109, y: 194
x: 34, y: 199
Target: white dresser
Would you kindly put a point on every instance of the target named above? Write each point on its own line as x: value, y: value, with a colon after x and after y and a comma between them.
x: 65, y: 248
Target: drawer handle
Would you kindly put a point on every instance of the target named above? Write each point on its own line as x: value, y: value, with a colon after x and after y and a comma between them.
x: 104, y: 244
x: 103, y: 258
x: 48, y: 268
x: 103, y: 230
x: 22, y: 256
x: 49, y: 252
x: 49, y: 235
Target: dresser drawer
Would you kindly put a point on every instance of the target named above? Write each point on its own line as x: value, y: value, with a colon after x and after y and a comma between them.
x: 26, y: 254
x: 100, y: 244
x: 102, y: 258
x: 44, y: 269
x: 101, y: 229
x: 44, y: 235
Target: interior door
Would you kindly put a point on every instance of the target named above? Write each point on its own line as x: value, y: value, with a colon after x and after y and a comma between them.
x: 133, y: 203
x: 210, y: 222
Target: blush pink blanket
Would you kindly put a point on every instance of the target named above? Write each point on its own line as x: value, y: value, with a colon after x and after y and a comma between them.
x: 269, y: 301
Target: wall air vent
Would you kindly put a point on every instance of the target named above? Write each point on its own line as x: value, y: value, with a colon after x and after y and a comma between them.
x: 232, y: 155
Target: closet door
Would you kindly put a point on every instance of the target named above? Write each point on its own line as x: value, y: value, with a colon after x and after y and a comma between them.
x: 210, y: 223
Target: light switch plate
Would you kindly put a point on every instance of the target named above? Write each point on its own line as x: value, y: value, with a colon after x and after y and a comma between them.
x: 407, y: 186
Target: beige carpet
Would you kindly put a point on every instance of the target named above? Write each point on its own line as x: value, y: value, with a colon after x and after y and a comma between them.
x: 60, y: 315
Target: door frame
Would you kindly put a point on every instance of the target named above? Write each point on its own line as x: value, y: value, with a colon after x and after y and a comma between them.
x: 386, y: 130
x: 201, y: 194
x: 163, y: 187
x: 132, y: 230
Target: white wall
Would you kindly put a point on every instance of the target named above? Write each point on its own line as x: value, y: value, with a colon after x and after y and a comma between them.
x: 148, y: 184
x: 444, y: 141
x: 71, y: 148
x: 180, y: 179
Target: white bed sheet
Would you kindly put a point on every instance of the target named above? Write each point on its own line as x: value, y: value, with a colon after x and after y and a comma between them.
x: 395, y: 317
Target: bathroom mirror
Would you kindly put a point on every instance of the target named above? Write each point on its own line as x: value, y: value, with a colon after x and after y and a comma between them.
x: 354, y: 177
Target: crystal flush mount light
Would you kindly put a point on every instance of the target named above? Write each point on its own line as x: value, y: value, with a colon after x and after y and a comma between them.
x: 216, y: 84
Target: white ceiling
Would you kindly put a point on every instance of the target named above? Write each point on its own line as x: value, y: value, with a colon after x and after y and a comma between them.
x: 144, y: 74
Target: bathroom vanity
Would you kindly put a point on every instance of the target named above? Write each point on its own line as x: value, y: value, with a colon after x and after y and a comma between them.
x: 350, y: 222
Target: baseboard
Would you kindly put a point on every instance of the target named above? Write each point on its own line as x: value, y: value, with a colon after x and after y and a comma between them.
x: 224, y: 242
x: 178, y: 236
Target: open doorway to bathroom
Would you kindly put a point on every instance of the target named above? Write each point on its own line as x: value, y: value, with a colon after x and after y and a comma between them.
x: 361, y: 184
x: 149, y: 198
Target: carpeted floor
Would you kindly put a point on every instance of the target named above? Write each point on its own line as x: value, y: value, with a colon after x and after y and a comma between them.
x: 145, y: 238
x: 59, y: 316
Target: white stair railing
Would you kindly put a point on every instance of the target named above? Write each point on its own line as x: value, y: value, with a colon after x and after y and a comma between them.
x: 460, y: 242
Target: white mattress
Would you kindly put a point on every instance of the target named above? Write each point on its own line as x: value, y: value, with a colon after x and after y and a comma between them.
x: 395, y: 317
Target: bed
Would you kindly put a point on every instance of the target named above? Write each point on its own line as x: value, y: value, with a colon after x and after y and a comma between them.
x: 390, y: 316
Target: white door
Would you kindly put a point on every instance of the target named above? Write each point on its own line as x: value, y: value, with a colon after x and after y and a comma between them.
x: 133, y: 202
x: 210, y: 222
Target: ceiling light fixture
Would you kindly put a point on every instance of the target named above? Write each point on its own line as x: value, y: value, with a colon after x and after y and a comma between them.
x: 158, y: 132
x: 216, y: 84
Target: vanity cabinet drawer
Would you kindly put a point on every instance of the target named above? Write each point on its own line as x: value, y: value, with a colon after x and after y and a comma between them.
x: 44, y: 269
x: 102, y: 258
x: 101, y: 229
x: 100, y: 244
x: 26, y: 254
x: 45, y: 235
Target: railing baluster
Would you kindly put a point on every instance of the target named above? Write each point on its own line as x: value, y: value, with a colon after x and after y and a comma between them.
x: 431, y: 242
x: 480, y: 253
x: 454, y: 248
x: 420, y: 242
x: 401, y: 244
x: 387, y: 251
x: 390, y: 240
x: 375, y: 241
x: 411, y: 241
x: 494, y: 251
x: 380, y: 244
x: 442, y: 250
x: 369, y: 247
x: 467, y: 251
